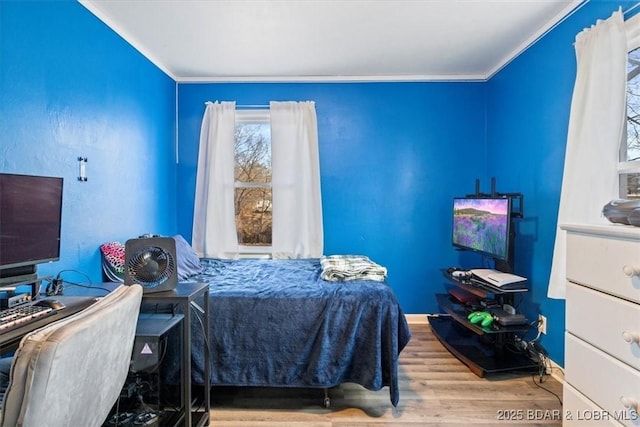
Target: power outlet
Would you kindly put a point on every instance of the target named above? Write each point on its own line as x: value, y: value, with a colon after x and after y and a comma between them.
x: 542, y: 324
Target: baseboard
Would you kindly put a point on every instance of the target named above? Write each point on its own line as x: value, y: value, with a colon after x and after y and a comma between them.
x: 557, y: 371
x: 416, y: 319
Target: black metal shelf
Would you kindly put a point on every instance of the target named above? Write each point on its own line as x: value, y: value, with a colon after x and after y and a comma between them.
x: 482, y: 356
x: 484, y: 349
x: 459, y: 313
x: 196, y: 408
x: 192, y: 408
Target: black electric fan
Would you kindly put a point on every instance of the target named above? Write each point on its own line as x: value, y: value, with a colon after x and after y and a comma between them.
x: 151, y: 263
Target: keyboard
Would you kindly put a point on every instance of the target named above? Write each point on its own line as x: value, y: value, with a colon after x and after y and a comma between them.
x: 17, y: 316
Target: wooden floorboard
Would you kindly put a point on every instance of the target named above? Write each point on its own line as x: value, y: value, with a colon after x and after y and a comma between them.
x: 435, y: 390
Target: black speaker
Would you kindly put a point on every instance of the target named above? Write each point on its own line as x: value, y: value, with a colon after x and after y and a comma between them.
x: 151, y: 263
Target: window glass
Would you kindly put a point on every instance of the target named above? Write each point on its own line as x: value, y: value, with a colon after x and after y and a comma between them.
x: 630, y: 185
x: 253, y: 216
x: 253, y: 201
x: 632, y: 148
x: 629, y: 167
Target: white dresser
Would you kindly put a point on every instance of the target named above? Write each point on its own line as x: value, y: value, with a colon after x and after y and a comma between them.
x: 602, y: 338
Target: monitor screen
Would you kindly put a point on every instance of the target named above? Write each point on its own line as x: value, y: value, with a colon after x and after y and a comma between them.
x: 30, y: 219
x: 481, y: 224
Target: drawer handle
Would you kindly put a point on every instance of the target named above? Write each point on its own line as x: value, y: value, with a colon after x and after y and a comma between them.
x: 629, y: 403
x: 631, y: 337
x: 630, y: 271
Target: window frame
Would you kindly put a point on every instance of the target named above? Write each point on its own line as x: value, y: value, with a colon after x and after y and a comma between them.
x: 253, y: 116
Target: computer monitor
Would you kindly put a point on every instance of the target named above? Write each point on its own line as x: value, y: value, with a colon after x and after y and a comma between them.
x: 482, y: 225
x: 30, y: 223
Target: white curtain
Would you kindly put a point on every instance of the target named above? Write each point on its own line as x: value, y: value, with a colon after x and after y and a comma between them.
x: 214, y: 226
x: 596, y: 123
x: 297, y: 206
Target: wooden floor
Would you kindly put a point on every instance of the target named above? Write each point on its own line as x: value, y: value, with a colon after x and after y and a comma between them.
x: 435, y: 389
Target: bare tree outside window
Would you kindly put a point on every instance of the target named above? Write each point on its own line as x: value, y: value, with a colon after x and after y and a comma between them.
x: 253, y: 201
x: 630, y: 152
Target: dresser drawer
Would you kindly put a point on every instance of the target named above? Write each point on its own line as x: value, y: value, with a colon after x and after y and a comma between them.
x: 611, y: 264
x: 577, y: 410
x: 602, y: 379
x: 604, y: 321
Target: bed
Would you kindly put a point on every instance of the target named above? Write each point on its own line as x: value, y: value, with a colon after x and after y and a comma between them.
x: 277, y: 323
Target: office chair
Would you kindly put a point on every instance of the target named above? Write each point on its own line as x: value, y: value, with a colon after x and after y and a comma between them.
x: 71, y: 372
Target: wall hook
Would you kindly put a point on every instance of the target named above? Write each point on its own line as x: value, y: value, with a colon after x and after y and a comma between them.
x: 82, y: 172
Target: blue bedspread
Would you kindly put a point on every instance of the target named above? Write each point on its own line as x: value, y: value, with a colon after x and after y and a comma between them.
x: 277, y: 323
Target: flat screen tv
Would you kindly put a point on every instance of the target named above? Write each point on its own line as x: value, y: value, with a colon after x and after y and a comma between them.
x: 482, y: 224
x: 30, y: 222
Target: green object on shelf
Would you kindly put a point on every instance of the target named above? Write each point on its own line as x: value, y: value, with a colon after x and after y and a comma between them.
x: 483, y: 317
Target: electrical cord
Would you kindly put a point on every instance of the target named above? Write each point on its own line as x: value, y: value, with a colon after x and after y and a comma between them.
x: 533, y: 378
x: 199, y: 313
x: 81, y: 285
x: 539, y: 354
x: 56, y: 286
x: 58, y: 277
x: 536, y: 323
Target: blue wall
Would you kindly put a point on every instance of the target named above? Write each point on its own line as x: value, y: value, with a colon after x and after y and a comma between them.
x: 528, y: 105
x: 392, y: 156
x: 69, y: 87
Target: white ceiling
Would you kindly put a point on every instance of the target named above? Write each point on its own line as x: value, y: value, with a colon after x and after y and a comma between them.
x: 294, y: 40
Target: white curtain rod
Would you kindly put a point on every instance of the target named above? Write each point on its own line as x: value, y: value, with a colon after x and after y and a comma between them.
x: 631, y: 8
x: 242, y: 105
x: 252, y: 105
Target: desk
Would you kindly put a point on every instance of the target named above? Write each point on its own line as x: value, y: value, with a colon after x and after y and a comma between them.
x: 195, y: 412
x: 10, y: 339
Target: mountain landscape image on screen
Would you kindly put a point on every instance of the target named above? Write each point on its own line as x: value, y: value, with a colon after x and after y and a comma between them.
x: 481, y: 225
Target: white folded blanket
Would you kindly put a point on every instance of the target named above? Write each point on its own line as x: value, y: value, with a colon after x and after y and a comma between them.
x: 338, y: 268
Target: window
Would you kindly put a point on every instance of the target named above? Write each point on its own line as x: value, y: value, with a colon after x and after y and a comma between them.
x: 253, y: 197
x: 629, y: 161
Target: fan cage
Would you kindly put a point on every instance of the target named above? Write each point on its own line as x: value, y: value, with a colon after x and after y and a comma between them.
x: 151, y: 266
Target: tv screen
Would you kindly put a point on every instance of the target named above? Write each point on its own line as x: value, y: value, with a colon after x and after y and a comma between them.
x: 481, y: 224
x: 30, y: 220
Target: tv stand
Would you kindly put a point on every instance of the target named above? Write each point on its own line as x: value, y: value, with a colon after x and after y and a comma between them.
x: 485, y: 350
